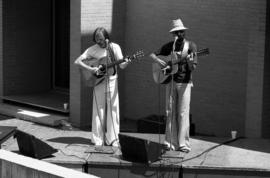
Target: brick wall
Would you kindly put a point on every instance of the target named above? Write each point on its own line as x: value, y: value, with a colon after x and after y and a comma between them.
x: 105, y: 13
x: 1, y: 48
x: 266, y: 87
x: 227, y: 91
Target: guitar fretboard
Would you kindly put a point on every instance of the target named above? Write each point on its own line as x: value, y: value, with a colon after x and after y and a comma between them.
x: 199, y: 53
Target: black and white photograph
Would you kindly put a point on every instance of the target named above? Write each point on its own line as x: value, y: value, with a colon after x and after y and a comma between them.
x: 134, y: 88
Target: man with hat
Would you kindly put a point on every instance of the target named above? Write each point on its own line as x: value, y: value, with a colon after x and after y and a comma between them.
x: 182, y: 54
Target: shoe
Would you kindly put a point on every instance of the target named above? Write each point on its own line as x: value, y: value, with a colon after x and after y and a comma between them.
x: 185, y: 150
x: 115, y: 144
x: 168, y: 147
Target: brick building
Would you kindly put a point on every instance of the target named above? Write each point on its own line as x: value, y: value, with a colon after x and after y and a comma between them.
x: 41, y: 39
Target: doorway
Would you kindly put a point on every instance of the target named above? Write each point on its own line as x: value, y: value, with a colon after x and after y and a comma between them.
x: 38, y: 64
x: 60, y: 46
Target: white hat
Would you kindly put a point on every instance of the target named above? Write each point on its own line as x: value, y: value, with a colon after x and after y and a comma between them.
x: 177, y: 25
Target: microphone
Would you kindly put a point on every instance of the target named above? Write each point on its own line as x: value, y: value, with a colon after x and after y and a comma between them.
x: 107, y: 43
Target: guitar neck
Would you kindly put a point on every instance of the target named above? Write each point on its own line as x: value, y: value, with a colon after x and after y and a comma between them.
x: 115, y: 63
x: 199, y: 53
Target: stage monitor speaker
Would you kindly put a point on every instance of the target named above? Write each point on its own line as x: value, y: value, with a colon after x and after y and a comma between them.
x: 6, y: 132
x: 152, y: 124
x: 31, y: 146
x: 139, y: 150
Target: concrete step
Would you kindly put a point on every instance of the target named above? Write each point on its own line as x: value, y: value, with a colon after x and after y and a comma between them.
x: 36, y: 116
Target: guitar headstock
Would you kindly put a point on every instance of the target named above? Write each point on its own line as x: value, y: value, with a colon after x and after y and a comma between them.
x: 137, y: 55
x: 204, y: 51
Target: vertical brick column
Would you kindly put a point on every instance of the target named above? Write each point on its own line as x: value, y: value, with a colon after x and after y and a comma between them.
x: 255, y: 70
x: 76, y: 88
x: 1, y: 48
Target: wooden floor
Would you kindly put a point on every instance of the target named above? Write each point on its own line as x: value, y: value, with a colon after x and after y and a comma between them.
x: 210, y: 156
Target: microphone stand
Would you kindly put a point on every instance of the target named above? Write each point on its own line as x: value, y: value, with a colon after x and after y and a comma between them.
x: 106, y: 95
x: 102, y: 148
x: 171, y: 93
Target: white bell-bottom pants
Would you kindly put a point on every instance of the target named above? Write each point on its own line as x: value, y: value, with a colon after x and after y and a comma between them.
x: 177, y: 109
x: 105, y: 125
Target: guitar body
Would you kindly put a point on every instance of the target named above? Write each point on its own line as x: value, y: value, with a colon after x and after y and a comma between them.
x: 162, y: 75
x: 89, y: 78
x: 94, y: 79
x: 106, y: 68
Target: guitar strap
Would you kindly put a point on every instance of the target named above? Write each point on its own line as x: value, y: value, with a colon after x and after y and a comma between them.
x: 182, y: 54
x: 185, y: 49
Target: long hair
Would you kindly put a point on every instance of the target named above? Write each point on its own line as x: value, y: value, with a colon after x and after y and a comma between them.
x: 101, y: 30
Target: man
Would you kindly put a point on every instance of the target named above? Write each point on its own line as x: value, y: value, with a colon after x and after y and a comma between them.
x: 105, y: 113
x: 178, y: 91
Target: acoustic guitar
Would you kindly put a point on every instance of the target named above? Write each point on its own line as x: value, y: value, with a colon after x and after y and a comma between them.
x: 105, y: 68
x: 161, y: 74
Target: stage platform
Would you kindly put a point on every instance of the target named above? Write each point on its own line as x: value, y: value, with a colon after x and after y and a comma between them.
x: 209, y: 157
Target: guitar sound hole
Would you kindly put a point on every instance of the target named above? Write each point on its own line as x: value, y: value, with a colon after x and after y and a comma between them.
x: 99, y: 75
x: 168, y: 71
x: 102, y: 68
x: 102, y: 71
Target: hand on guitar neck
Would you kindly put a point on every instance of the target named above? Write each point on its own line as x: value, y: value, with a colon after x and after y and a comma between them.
x: 100, y: 70
x: 104, y: 67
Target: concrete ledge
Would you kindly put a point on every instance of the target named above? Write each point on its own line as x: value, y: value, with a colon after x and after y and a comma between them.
x: 32, y: 115
x: 14, y: 165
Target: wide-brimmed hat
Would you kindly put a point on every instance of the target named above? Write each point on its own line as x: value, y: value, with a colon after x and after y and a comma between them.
x: 177, y: 25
